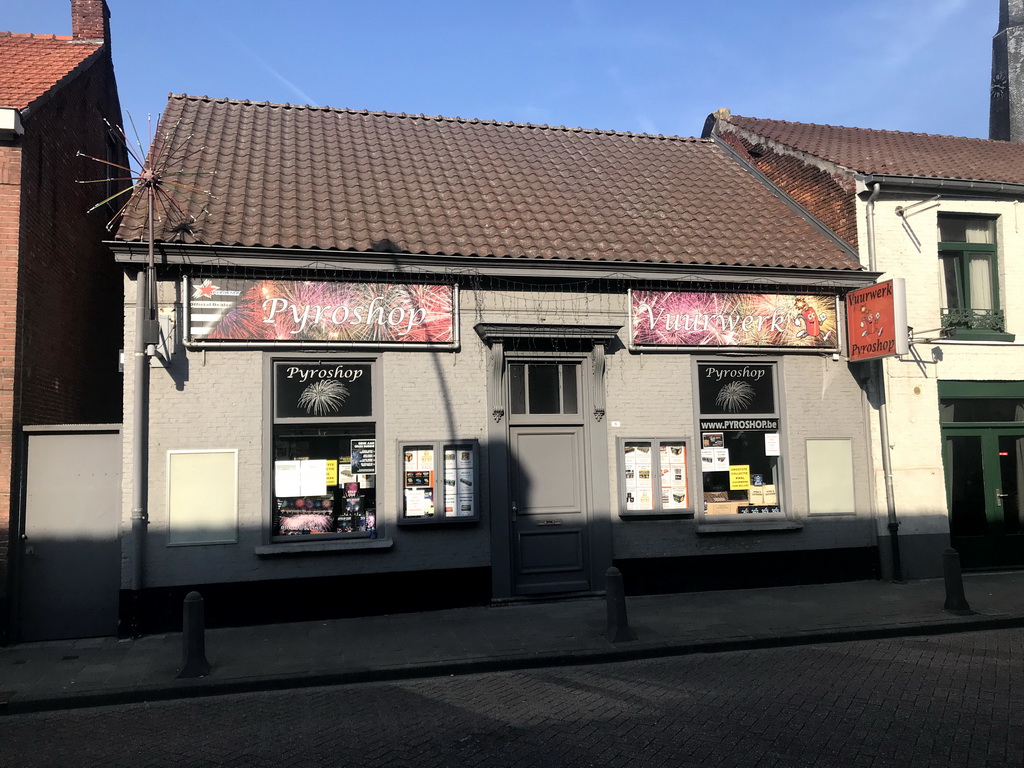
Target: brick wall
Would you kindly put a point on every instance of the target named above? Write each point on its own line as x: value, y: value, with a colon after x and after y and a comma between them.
x: 60, y: 323
x: 217, y: 400
x: 828, y: 196
x: 10, y: 207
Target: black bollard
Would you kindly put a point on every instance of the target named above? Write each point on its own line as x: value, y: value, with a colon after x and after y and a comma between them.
x: 615, y: 596
x: 193, y: 638
x: 956, y: 602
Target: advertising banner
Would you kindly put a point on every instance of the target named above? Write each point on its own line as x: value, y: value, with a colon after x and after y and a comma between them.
x: 318, y: 391
x: 876, y: 321
x: 710, y: 319
x: 280, y: 312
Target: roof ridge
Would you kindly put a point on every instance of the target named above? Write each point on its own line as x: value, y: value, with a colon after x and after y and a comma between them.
x: 859, y: 129
x: 34, y: 36
x: 439, y: 118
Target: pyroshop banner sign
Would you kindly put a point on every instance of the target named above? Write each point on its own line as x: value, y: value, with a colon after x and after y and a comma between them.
x: 282, y: 312
x: 876, y: 321
x: 709, y: 319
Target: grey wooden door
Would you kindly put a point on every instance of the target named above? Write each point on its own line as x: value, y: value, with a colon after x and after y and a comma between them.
x: 549, y: 510
x: 548, y: 496
x: 70, y: 559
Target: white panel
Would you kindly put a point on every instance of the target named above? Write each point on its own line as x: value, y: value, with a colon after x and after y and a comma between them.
x: 202, y: 497
x: 830, y: 476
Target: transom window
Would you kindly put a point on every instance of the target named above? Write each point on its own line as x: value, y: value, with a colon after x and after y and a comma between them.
x: 968, y: 275
x: 543, y: 388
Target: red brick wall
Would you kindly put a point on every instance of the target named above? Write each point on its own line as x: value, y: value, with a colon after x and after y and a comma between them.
x: 828, y: 196
x: 10, y: 206
x: 60, y: 291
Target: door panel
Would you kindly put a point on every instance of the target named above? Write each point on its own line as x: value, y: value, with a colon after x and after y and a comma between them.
x: 71, y: 557
x: 984, y: 468
x: 549, y: 509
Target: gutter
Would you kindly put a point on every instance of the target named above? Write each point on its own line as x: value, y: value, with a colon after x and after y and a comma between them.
x: 878, y: 367
x: 963, y: 186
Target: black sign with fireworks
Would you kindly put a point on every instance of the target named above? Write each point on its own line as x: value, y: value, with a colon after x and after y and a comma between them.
x: 322, y: 391
x: 736, y: 388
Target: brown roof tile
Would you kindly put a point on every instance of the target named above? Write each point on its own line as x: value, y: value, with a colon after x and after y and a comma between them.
x: 896, y: 153
x: 310, y: 177
x: 33, y: 64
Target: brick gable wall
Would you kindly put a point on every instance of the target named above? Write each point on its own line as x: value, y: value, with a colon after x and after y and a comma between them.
x: 10, y: 208
x: 828, y: 196
x: 60, y: 290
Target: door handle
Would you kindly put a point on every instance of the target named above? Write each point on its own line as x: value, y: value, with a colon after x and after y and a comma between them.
x: 1000, y: 497
x: 515, y: 510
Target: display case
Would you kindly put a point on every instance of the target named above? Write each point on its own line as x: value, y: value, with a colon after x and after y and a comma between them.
x: 439, y: 481
x: 654, y: 477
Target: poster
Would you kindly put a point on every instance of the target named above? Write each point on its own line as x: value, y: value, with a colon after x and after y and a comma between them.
x: 364, y: 457
x: 332, y: 473
x: 465, y: 473
x: 674, y: 491
x: 419, y: 502
x: 739, y: 477
x: 287, y: 480
x: 707, y: 459
x: 637, y: 463
x: 721, y: 459
x: 771, y: 444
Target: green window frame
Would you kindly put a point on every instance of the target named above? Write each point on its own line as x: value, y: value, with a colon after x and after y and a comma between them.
x: 969, y: 275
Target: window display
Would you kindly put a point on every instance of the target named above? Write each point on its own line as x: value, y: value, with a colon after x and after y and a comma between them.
x: 439, y: 482
x: 324, y: 475
x: 653, y: 477
x: 740, y: 445
x: 317, y: 488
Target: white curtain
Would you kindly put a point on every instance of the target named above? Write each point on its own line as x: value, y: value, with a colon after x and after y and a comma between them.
x: 980, y: 277
x: 978, y: 230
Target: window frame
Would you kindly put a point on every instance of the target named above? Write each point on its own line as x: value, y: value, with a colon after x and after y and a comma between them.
x: 783, y: 519
x: 657, y: 509
x: 440, y: 471
x: 282, y: 544
x: 965, y: 321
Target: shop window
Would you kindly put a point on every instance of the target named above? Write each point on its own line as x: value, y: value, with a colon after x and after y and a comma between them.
x: 439, y: 481
x: 654, y: 477
x: 324, y: 482
x: 968, y: 276
x: 740, y: 446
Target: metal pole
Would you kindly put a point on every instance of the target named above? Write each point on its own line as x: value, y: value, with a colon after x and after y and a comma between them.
x: 956, y: 601
x: 193, y: 638
x: 615, y: 597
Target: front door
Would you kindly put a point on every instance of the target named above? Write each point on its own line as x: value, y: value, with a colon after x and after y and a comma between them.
x: 548, y: 489
x: 984, y: 471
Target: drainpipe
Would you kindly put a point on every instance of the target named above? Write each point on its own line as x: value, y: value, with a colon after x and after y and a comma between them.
x: 883, y: 409
x: 140, y: 424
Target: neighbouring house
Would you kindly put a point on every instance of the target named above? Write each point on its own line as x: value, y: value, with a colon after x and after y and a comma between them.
x: 60, y: 324
x: 389, y: 362
x: 942, y: 213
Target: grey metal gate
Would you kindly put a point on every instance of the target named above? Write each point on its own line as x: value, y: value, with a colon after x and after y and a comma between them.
x: 69, y: 574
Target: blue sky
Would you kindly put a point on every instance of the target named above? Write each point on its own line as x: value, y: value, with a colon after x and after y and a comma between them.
x: 654, y: 66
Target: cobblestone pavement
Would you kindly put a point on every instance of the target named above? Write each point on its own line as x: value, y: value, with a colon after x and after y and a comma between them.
x: 952, y: 700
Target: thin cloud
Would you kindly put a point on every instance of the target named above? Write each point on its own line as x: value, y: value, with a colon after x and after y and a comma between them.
x: 304, y: 98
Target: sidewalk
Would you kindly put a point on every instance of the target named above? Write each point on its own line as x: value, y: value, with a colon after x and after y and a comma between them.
x: 77, y: 673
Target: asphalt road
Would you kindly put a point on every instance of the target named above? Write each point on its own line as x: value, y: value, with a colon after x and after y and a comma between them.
x: 953, y: 700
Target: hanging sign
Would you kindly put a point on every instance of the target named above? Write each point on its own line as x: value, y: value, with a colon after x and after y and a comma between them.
x: 876, y: 321
x: 283, y: 312
x: 711, y: 319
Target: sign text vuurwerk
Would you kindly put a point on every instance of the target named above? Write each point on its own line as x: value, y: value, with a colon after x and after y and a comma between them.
x: 718, y: 319
x: 283, y: 312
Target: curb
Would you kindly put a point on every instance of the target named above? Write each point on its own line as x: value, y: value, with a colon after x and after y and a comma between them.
x: 212, y: 687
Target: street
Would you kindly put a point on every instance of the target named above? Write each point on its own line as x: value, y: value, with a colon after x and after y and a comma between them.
x: 952, y: 700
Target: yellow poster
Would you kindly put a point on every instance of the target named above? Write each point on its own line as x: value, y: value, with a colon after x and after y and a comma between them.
x: 332, y: 472
x: 739, y: 477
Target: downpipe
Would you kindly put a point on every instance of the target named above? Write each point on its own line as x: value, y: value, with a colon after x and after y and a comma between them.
x: 883, y: 410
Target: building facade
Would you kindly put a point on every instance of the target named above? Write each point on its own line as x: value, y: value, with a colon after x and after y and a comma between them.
x: 410, y: 361
x: 942, y: 214
x: 55, y: 368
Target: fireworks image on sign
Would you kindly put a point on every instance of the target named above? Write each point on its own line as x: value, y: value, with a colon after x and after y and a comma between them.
x: 735, y: 396
x: 323, y: 397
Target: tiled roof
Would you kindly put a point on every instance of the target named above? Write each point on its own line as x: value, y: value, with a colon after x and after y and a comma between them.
x: 33, y: 64
x: 896, y: 153
x: 311, y: 177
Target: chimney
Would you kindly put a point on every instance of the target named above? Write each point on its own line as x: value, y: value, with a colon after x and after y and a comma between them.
x: 90, y: 20
x: 1006, y: 110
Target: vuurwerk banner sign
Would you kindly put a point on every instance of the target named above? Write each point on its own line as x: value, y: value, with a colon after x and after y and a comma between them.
x: 282, y: 312
x: 713, y: 319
